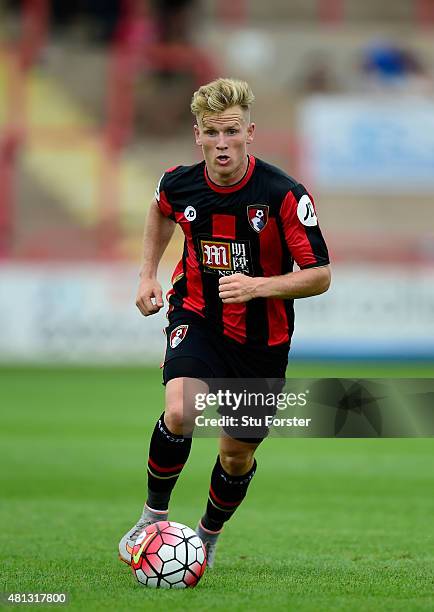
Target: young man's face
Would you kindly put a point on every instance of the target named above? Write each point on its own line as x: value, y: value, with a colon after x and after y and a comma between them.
x: 224, y: 137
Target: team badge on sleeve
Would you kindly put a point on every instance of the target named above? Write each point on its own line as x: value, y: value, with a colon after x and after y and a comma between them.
x: 258, y: 216
x: 177, y: 335
x: 306, y: 211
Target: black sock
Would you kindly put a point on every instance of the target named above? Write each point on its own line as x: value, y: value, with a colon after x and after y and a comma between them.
x: 168, y: 452
x: 225, y: 495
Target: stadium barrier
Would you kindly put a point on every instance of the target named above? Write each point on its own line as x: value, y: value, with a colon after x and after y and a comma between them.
x: 75, y: 314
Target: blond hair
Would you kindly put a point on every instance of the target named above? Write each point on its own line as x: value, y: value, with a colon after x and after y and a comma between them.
x: 217, y: 96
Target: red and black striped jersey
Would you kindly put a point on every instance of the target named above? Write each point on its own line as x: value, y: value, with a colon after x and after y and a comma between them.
x: 259, y: 227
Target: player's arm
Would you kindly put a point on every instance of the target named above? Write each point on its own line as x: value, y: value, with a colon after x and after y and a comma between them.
x: 239, y: 288
x: 300, y: 284
x: 158, y: 232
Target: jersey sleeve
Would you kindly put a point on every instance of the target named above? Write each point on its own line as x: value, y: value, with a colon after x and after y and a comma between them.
x: 300, y: 227
x: 162, y: 196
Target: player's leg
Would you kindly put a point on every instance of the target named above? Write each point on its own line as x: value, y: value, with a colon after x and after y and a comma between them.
x: 171, y: 439
x: 189, y: 359
x: 168, y: 452
x: 235, y: 466
x: 230, y: 479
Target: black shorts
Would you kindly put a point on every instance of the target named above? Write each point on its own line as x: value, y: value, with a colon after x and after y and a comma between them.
x: 195, y: 350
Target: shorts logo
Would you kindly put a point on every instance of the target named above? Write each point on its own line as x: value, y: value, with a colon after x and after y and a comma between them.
x: 225, y: 256
x: 190, y: 213
x: 257, y: 215
x: 306, y: 212
x: 177, y: 335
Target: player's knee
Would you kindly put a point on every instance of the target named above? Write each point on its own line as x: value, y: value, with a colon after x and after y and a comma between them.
x: 236, y: 463
x: 178, y: 414
x: 177, y: 420
x: 174, y: 418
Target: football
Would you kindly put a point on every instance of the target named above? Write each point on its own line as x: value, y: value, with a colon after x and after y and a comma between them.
x: 168, y: 555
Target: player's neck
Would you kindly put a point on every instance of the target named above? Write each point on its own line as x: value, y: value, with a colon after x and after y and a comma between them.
x: 231, y: 179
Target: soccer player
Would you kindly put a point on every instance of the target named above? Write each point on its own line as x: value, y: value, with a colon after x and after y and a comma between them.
x: 231, y: 305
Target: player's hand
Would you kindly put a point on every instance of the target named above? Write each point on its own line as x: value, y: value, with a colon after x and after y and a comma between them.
x: 149, y: 298
x: 236, y: 288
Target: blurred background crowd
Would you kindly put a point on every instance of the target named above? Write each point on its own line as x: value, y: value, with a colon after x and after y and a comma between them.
x: 94, y: 106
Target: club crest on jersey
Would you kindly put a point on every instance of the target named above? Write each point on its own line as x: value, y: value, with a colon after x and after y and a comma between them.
x: 225, y: 256
x: 177, y: 335
x: 257, y: 215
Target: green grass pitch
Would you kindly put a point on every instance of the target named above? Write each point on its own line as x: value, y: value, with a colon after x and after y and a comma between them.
x: 328, y: 524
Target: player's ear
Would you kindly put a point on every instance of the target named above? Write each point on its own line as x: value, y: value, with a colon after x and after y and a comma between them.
x: 250, y: 133
x: 197, y: 135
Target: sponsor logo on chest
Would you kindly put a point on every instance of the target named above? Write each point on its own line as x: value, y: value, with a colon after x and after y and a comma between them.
x: 225, y: 256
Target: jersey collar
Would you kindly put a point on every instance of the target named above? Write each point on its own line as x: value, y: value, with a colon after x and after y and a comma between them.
x: 236, y: 186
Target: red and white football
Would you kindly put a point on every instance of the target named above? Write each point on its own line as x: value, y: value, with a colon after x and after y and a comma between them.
x: 168, y: 555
